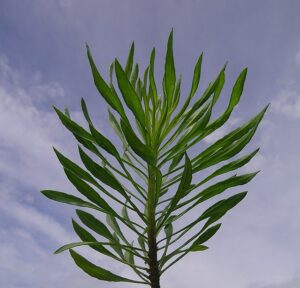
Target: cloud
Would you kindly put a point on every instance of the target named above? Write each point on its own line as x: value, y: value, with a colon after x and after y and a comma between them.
x: 287, y: 101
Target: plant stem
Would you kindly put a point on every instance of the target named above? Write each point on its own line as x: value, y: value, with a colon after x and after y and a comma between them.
x: 154, y: 274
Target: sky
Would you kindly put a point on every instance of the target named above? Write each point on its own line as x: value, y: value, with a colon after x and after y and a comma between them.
x: 43, y: 62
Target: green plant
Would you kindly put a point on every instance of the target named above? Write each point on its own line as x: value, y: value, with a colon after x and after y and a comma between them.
x: 150, y: 182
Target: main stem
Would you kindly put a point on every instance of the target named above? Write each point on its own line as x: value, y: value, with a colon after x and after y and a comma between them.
x: 154, y: 274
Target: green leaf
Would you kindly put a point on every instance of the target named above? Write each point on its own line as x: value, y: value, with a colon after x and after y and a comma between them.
x: 101, y: 173
x: 175, y: 161
x: 210, y: 232
x: 169, y: 232
x: 112, y: 222
x: 196, y: 77
x: 128, y: 92
x: 237, y: 89
x: 103, y: 142
x: 89, y: 192
x: 129, y: 257
x: 142, y: 243
x: 135, y: 75
x: 73, y: 126
x: 152, y: 79
x: 67, y: 198
x: 85, y: 236
x: 221, y: 186
x: 228, y: 151
x: 170, y: 75
x: 185, y: 182
x: 223, y: 206
x: 110, y: 97
x: 94, y: 224
x: 231, y: 166
x: 137, y: 145
x: 176, y: 97
x: 116, y: 126
x: 85, y: 112
x: 129, y: 62
x: 231, y: 137
x: 91, y: 244
x: 199, y: 248
x: 125, y: 216
x: 68, y: 164
x: 97, y: 271
x: 184, y: 185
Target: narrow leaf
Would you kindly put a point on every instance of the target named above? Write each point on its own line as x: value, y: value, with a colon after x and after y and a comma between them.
x: 94, y: 224
x: 96, y: 271
x: 110, y: 97
x: 128, y: 92
x: 136, y: 144
x: 67, y: 198
x: 89, y: 192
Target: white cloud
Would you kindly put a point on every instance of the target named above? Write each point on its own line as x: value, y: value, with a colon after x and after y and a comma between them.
x: 287, y: 101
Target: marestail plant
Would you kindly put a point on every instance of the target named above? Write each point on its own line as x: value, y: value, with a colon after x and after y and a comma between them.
x: 156, y: 211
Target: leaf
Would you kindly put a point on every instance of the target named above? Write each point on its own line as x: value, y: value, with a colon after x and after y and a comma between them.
x: 67, y: 198
x: 199, y: 248
x: 176, y: 97
x: 169, y: 232
x: 68, y: 164
x: 223, y: 206
x: 112, y: 222
x: 110, y: 97
x: 94, y: 224
x: 128, y: 92
x: 231, y: 166
x: 103, y: 142
x: 129, y: 257
x: 221, y: 186
x: 184, y: 185
x: 85, y: 112
x: 134, y: 76
x: 237, y: 89
x: 129, y: 62
x: 89, y: 192
x: 169, y: 75
x: 116, y: 126
x: 232, y: 136
x: 175, y: 161
x: 152, y: 79
x: 85, y: 236
x: 227, y: 152
x: 196, y: 77
x: 185, y: 182
x: 101, y: 173
x: 136, y: 144
x: 141, y: 241
x: 91, y: 244
x: 210, y: 232
x: 73, y: 126
x: 125, y: 216
x: 97, y: 271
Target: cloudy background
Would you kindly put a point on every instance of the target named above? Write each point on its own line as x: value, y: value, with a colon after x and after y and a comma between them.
x: 43, y: 62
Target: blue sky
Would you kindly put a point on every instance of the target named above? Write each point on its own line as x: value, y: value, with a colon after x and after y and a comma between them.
x: 43, y: 62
